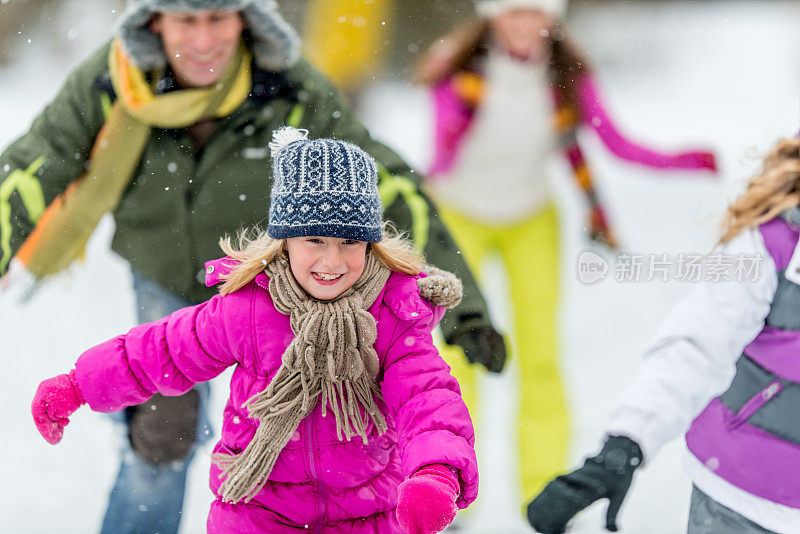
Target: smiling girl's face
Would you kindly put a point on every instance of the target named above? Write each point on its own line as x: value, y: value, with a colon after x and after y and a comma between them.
x: 326, y: 266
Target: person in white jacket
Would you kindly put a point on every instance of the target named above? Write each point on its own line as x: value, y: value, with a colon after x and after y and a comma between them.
x: 724, y: 364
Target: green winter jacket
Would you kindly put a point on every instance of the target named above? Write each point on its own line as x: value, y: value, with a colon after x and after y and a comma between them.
x: 182, y: 200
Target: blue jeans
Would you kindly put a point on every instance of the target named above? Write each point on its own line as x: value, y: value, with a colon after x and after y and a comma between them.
x: 148, y: 498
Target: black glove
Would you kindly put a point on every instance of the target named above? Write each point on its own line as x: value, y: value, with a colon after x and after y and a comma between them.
x: 482, y: 345
x: 605, y: 476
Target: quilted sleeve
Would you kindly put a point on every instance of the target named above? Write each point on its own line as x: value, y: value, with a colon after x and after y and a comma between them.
x: 168, y: 356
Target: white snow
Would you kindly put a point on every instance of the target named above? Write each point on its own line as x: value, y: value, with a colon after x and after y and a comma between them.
x: 720, y: 74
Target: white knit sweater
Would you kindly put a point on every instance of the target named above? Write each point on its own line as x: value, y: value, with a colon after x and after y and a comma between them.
x: 501, y: 172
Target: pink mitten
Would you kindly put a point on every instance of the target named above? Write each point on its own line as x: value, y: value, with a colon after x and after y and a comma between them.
x: 55, y: 400
x: 697, y: 160
x: 426, y: 501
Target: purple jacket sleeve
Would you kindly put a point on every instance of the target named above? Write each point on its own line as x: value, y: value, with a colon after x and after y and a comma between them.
x: 594, y: 114
x: 433, y: 425
x: 168, y: 356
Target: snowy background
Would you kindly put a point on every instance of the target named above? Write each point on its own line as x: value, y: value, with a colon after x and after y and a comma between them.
x: 720, y: 74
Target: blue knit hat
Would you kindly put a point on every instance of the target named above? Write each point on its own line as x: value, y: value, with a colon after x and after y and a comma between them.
x: 322, y: 187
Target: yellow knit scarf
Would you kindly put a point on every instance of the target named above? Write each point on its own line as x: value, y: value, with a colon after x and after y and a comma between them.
x: 61, y: 233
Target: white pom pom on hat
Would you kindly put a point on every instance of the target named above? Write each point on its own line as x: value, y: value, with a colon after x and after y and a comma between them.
x: 285, y: 136
x: 491, y: 8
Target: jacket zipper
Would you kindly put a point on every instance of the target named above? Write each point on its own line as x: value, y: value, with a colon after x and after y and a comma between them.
x: 312, y: 464
x: 757, y: 402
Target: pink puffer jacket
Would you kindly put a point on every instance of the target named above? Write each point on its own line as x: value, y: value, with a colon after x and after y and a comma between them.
x: 318, y: 483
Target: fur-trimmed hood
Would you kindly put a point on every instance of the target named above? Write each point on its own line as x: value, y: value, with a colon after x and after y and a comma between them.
x: 275, y: 44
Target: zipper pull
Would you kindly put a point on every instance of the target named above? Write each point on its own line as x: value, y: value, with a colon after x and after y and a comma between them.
x: 756, y: 402
x: 771, y: 390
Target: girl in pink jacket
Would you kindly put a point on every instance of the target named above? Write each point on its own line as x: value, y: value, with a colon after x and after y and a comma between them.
x: 342, y: 417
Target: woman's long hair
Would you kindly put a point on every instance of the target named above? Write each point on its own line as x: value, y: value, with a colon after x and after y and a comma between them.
x: 774, y: 190
x: 254, y: 249
x: 463, y: 46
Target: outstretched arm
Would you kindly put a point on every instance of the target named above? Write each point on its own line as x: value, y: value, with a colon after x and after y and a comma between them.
x: 168, y: 356
x: 691, y: 359
x: 594, y: 114
x: 693, y: 355
x: 39, y: 166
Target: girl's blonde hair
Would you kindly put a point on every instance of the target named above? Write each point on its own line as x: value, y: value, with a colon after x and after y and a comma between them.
x: 773, y: 191
x: 254, y: 249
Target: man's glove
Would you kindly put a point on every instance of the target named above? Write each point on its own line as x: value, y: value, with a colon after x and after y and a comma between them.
x: 605, y: 476
x: 482, y: 345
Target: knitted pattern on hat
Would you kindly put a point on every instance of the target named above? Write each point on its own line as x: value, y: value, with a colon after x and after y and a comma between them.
x: 491, y: 8
x: 323, y: 187
x: 275, y: 44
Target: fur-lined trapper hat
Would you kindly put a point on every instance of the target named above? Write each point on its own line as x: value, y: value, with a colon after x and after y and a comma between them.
x: 275, y: 44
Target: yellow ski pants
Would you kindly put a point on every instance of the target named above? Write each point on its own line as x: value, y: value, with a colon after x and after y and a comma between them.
x: 530, y: 253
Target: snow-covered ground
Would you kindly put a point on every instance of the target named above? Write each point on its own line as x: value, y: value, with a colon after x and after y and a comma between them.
x: 718, y: 73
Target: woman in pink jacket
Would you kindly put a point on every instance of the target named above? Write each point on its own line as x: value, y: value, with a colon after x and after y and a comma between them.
x: 510, y: 93
x: 342, y: 417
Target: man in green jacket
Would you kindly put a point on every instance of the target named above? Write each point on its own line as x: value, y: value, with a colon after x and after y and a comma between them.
x: 167, y: 127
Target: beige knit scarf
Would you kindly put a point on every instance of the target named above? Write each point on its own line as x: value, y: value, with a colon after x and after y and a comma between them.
x: 332, y: 357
